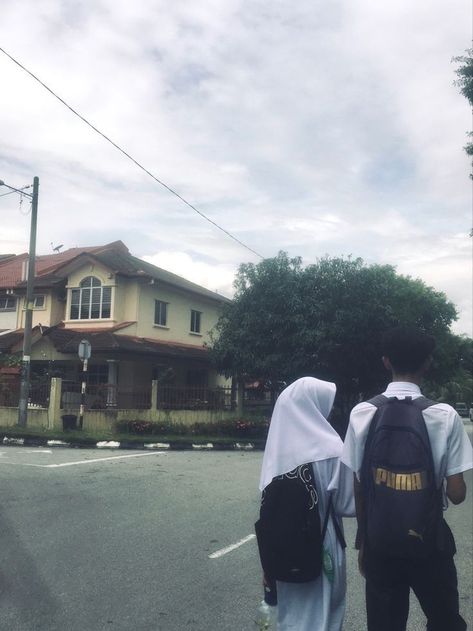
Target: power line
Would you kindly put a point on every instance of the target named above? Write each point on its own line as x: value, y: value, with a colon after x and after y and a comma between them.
x: 15, y: 190
x: 168, y: 188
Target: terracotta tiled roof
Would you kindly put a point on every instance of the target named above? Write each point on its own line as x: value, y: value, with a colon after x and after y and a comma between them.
x: 52, y: 268
x: 11, y: 269
x: 10, y: 339
x: 108, y: 341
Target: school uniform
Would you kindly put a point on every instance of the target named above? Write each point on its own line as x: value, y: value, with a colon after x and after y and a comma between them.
x: 434, y: 580
x: 299, y: 433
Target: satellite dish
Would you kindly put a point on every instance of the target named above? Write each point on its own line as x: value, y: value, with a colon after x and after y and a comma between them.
x: 57, y: 248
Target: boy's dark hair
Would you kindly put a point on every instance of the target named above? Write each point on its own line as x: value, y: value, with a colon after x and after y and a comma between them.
x: 407, y: 348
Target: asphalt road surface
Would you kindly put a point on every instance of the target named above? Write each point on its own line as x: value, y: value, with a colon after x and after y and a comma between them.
x: 97, y: 540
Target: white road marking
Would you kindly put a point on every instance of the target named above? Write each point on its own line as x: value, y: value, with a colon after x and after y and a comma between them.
x: 77, y: 462
x: 234, y: 546
x: 37, y: 451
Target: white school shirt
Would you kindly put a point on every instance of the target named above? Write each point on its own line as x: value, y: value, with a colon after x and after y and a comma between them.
x: 451, y: 448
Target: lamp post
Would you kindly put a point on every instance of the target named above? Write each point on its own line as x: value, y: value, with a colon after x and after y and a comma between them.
x: 26, y: 359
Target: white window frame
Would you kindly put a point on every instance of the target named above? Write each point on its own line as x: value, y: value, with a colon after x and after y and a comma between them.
x: 196, y: 322
x: 163, y: 305
x: 35, y: 298
x: 6, y: 308
x: 83, y: 287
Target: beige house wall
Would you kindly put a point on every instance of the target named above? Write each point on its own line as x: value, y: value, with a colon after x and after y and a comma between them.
x: 8, y: 320
x: 180, y: 304
x: 41, y: 315
x: 133, y: 300
x: 125, y: 307
x: 57, y: 309
x: 43, y: 350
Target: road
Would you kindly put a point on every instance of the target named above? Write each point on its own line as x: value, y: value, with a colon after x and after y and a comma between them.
x: 139, y: 541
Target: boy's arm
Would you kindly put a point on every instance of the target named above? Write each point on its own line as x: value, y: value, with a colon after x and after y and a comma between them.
x: 360, y: 511
x: 456, y: 488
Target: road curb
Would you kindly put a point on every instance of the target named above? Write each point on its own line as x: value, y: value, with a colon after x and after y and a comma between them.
x: 171, y: 446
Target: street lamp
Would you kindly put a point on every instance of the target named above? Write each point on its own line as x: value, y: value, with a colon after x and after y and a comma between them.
x: 26, y: 360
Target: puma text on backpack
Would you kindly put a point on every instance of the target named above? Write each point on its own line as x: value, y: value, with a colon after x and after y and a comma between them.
x: 288, y: 531
x: 402, y: 506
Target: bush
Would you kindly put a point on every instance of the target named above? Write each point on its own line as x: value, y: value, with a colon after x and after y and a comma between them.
x: 237, y: 428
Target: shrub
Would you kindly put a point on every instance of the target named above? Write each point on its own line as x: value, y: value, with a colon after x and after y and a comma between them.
x: 236, y: 428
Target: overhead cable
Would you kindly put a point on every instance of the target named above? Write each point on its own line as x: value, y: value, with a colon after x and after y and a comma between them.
x: 126, y: 154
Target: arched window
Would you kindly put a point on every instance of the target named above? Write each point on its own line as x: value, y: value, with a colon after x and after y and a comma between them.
x: 91, y: 301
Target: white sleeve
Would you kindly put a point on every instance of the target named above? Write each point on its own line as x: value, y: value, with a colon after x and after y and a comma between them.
x: 459, y: 449
x: 355, y: 439
x: 349, y: 453
x: 344, y: 498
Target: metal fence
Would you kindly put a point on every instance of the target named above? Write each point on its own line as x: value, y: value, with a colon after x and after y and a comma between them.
x: 105, y: 395
x: 39, y: 394
x: 10, y: 393
x: 175, y: 398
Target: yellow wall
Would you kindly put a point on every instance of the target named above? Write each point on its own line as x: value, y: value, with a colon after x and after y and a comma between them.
x: 180, y: 304
x: 41, y: 315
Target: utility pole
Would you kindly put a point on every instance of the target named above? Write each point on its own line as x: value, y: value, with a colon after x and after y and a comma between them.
x: 26, y: 360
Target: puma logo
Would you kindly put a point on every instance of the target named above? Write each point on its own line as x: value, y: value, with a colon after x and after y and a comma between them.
x: 415, y: 481
x: 413, y: 533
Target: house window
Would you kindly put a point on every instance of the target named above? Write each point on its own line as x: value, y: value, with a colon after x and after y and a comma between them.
x: 91, y: 301
x: 195, y: 321
x: 160, y: 312
x: 38, y: 302
x: 7, y: 303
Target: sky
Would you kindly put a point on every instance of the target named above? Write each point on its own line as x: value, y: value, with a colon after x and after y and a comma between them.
x: 317, y: 128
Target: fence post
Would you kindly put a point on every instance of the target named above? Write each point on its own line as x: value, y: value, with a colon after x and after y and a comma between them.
x: 239, y: 398
x: 154, y: 394
x: 54, y: 409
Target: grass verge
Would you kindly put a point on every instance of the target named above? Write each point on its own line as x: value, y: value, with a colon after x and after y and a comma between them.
x: 83, y: 438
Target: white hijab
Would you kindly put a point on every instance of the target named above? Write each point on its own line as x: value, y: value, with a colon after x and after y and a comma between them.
x: 299, y: 430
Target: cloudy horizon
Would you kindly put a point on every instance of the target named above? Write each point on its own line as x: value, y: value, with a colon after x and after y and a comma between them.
x: 314, y: 128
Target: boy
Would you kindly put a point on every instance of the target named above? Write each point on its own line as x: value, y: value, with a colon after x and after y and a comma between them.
x: 407, y: 354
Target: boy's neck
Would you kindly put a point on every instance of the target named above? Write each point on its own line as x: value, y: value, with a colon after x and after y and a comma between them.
x: 415, y: 378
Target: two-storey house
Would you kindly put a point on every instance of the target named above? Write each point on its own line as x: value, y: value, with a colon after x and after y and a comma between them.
x: 142, y: 322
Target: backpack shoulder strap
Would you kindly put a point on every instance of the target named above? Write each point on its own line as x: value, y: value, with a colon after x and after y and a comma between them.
x: 338, y: 531
x: 378, y: 400
x: 422, y: 403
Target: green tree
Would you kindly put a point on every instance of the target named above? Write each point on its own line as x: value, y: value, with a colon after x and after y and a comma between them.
x: 455, y: 354
x: 324, y: 320
x: 465, y: 82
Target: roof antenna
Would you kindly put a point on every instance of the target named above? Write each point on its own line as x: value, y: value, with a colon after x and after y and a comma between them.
x: 57, y: 248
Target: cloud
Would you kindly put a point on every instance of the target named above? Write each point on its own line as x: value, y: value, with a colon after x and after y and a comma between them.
x: 216, y: 277
x: 317, y: 128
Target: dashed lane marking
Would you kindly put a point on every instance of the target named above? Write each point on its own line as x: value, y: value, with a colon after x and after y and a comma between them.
x: 79, y: 462
x: 234, y: 546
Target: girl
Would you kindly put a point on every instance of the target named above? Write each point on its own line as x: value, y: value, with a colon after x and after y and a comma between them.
x: 300, y: 433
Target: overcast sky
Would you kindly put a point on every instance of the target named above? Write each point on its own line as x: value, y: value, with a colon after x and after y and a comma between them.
x: 299, y: 125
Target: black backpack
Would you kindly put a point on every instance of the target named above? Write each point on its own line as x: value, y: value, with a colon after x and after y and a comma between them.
x: 402, y: 505
x: 289, y: 532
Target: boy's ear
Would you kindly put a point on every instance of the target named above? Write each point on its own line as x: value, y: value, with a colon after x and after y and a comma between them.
x: 387, y: 363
